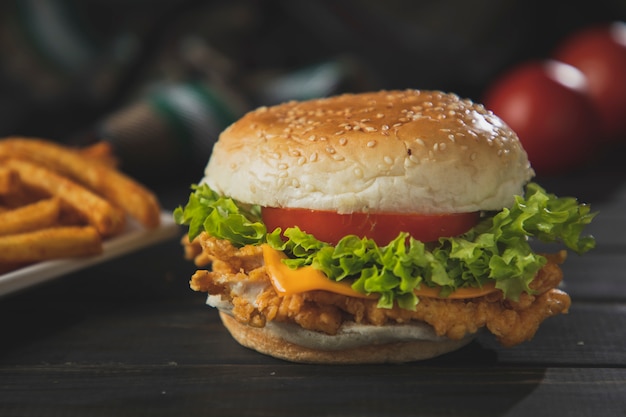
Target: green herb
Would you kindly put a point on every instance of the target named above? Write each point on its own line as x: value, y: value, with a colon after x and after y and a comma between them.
x: 221, y: 217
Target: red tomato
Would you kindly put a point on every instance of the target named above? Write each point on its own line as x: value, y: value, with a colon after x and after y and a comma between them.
x: 546, y: 104
x: 600, y: 53
x: 330, y: 227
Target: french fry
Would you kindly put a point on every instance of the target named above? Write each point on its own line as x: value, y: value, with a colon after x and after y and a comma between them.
x: 21, y: 196
x: 39, y: 215
x: 9, y: 181
x: 60, y: 202
x: 100, y: 152
x: 51, y: 243
x: 120, y: 189
x: 106, y: 218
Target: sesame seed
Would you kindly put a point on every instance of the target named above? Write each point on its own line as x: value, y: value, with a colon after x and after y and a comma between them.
x: 421, y: 142
x: 301, y: 161
x: 313, y: 157
x: 358, y: 172
x: 442, y: 146
x: 343, y: 141
x: 388, y: 160
x: 312, y: 138
x: 371, y: 143
x: 337, y: 157
x: 283, y: 166
x: 330, y: 150
x: 473, y: 156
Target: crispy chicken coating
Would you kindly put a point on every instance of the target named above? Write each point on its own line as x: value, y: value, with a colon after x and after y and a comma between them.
x: 239, y: 277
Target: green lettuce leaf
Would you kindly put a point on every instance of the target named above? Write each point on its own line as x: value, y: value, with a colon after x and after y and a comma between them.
x: 496, y: 250
x: 221, y: 217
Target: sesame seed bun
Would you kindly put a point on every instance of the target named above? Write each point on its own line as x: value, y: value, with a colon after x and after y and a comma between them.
x: 389, y: 151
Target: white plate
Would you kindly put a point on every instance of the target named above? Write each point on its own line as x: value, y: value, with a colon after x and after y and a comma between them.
x: 134, y: 237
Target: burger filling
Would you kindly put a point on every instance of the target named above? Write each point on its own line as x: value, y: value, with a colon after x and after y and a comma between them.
x: 509, y: 289
x: 239, y: 284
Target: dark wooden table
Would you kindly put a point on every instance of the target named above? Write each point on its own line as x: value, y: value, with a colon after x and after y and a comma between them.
x: 129, y: 338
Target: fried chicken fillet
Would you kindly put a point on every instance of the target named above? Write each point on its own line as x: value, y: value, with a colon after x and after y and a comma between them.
x: 238, y: 276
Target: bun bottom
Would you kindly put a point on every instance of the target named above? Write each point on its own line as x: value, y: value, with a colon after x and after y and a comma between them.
x: 264, y: 341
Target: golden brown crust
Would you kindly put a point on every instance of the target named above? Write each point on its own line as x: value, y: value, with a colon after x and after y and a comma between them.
x: 264, y: 341
x: 512, y: 322
x: 398, y: 151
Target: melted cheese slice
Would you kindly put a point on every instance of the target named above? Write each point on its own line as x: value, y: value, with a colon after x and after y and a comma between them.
x: 288, y: 281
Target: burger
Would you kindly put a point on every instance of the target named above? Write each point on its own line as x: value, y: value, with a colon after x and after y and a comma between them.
x: 389, y: 226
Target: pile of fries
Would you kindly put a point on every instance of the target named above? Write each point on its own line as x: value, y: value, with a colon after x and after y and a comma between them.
x: 62, y: 202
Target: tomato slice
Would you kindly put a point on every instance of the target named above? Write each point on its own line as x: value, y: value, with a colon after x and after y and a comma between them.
x: 329, y: 226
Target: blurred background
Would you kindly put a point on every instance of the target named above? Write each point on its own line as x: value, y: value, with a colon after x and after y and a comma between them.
x: 161, y: 78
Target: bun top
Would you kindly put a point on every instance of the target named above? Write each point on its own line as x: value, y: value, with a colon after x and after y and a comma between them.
x: 390, y: 151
